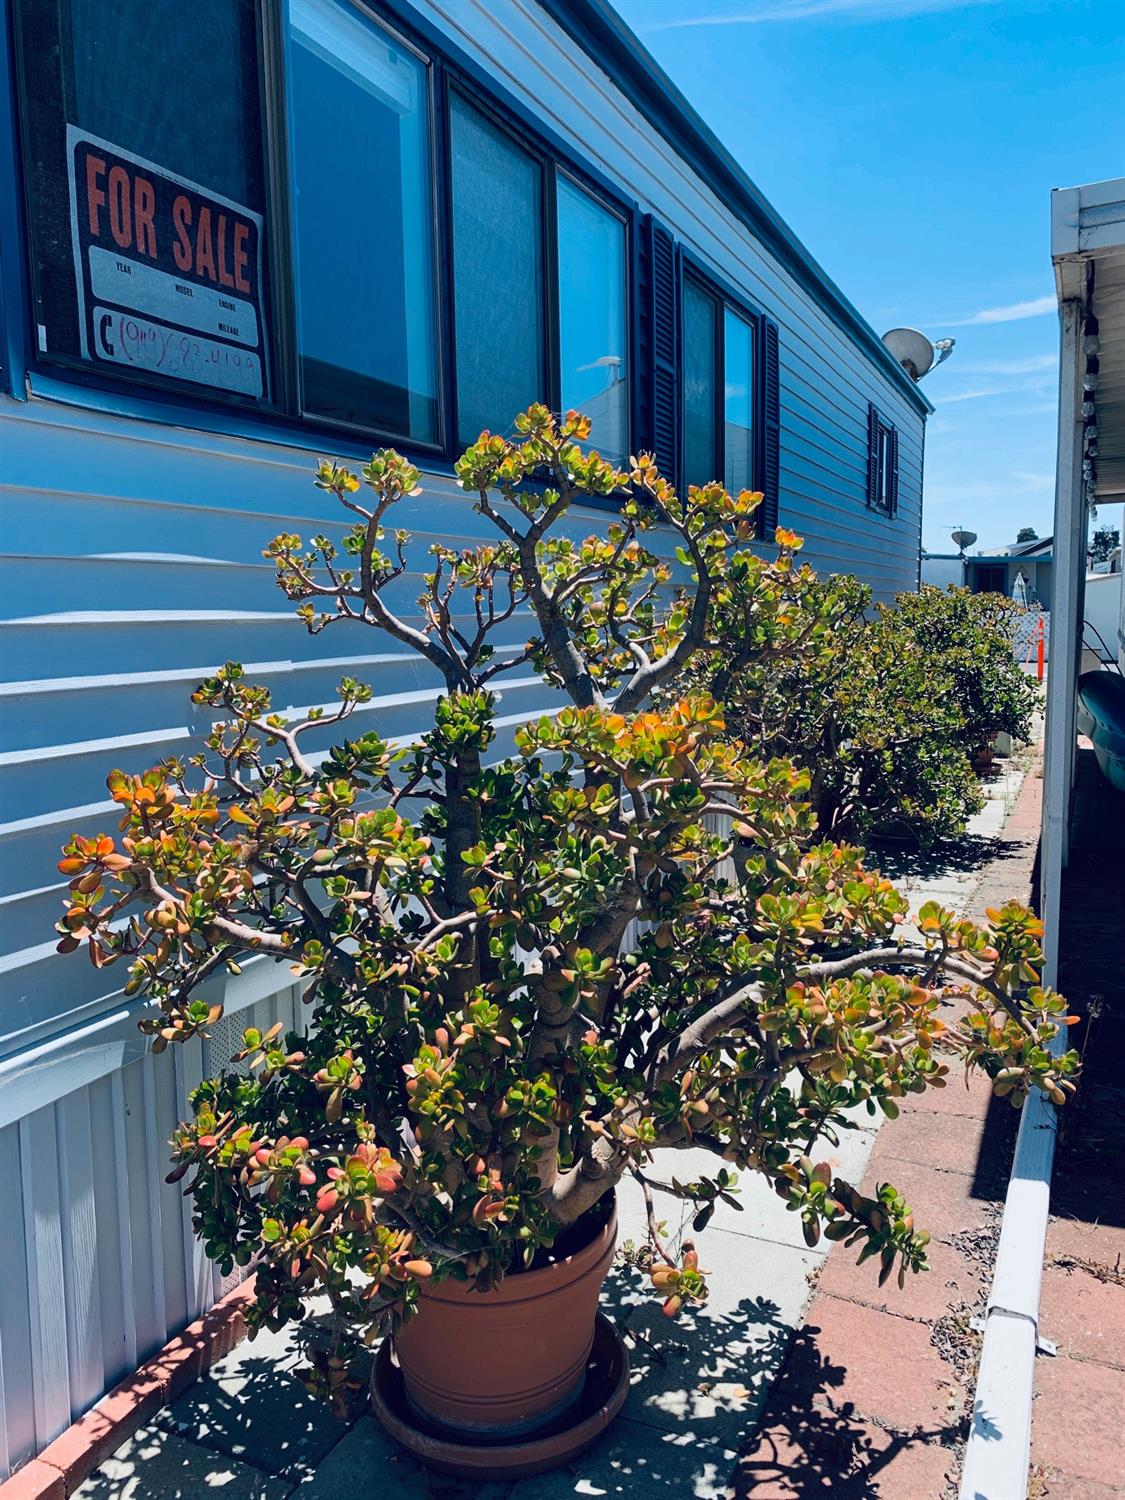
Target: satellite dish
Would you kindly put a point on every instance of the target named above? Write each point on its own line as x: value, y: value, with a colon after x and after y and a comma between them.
x: 912, y: 349
x: 963, y: 539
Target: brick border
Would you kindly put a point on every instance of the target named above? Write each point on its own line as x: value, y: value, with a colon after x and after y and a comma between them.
x: 76, y: 1453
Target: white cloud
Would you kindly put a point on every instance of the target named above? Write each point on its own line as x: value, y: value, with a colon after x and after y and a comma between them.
x: 1034, y: 364
x: 802, y: 10
x: 1032, y: 375
x: 1015, y: 312
x: 977, y: 395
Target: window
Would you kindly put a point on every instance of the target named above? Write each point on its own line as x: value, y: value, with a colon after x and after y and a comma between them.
x: 593, y: 332
x: 362, y: 193
x: 738, y: 402
x: 718, y: 390
x: 250, y: 202
x: 702, y: 453
x: 498, y: 282
x: 882, y: 463
x: 144, y: 164
x: 511, y: 261
x: 990, y: 578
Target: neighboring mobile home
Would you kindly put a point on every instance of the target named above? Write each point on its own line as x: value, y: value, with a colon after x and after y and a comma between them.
x: 996, y: 571
x: 235, y: 236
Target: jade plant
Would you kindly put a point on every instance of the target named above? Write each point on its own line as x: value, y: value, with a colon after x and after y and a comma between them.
x: 528, y: 965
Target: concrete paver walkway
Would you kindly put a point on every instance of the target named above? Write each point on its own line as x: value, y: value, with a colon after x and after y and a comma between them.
x: 703, y: 1385
x: 836, y: 1418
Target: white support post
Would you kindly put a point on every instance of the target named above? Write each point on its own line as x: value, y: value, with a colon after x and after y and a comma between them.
x: 998, y: 1451
x: 1066, y: 629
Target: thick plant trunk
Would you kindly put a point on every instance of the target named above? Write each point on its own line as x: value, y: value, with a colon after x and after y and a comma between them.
x: 580, y: 1188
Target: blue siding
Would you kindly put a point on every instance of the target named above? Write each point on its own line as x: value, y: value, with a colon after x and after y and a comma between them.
x: 131, y: 565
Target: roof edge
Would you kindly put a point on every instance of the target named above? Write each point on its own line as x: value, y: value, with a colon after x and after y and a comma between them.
x: 601, y: 33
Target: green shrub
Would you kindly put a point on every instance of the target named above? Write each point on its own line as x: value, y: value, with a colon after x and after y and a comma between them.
x: 884, y: 710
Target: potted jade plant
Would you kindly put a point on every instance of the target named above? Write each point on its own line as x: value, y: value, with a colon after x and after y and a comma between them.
x: 526, y: 971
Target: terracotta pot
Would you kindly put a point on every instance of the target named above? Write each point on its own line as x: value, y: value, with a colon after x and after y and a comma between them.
x: 511, y: 1362
x: 982, y: 756
x: 603, y: 1396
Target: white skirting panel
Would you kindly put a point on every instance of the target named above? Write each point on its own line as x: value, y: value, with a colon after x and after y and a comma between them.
x: 98, y: 1263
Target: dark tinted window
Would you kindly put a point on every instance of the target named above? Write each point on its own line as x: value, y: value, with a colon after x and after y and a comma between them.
x: 886, y: 469
x: 142, y: 124
x: 718, y: 384
x: 363, y: 206
x: 882, y: 462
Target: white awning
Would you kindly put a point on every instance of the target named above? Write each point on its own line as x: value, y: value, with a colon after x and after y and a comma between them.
x: 1088, y: 250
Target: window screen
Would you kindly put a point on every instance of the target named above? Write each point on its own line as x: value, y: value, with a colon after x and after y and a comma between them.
x: 146, y: 188
x: 363, y: 205
x: 498, y: 290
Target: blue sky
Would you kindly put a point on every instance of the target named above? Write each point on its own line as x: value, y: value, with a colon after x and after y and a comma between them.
x: 913, y: 144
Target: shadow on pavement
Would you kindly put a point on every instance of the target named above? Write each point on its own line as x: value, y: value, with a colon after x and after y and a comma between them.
x: 812, y: 1444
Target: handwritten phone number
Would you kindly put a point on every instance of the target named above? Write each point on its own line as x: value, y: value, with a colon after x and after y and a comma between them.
x: 126, y: 339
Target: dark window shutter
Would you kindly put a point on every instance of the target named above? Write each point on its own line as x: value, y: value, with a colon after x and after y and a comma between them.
x: 771, y: 430
x: 663, y: 337
x: 894, y: 471
x: 872, y: 456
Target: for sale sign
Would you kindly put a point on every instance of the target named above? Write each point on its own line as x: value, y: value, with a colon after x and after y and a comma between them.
x: 169, y: 274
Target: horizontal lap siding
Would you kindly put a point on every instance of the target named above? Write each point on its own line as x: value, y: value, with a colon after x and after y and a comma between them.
x: 112, y: 608
x: 130, y: 560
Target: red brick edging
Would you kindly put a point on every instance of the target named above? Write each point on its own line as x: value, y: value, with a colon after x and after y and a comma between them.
x: 76, y: 1453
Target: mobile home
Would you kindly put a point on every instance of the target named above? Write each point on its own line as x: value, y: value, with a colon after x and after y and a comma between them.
x: 234, y: 236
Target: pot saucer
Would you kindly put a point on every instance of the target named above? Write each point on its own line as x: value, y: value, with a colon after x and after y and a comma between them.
x: 603, y: 1395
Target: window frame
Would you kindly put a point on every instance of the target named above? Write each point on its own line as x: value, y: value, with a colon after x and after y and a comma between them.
x: 122, y: 380
x: 287, y: 231
x: 694, y: 270
x: 882, y: 463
